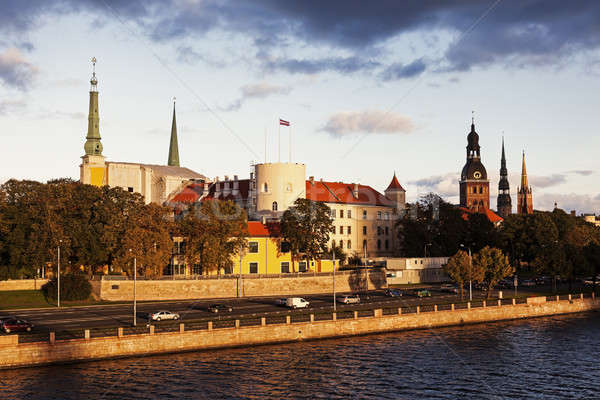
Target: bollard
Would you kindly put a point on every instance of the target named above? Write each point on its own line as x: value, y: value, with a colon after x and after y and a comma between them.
x: 593, y: 296
x: 288, y: 319
x: 334, y: 316
x: 312, y: 318
x: 435, y: 308
x: 210, y: 325
x: 152, y: 329
x: 86, y: 334
x: 483, y: 303
x: 181, y: 328
x: 378, y: 312
x: 120, y: 332
x: 418, y: 309
x: 355, y: 314
x: 452, y: 307
x: 52, y: 337
x: 499, y: 294
x: 499, y: 303
x: 570, y: 298
x: 237, y: 323
x: 514, y: 301
x: 399, y: 311
x: 469, y: 305
x: 263, y: 321
x: 581, y: 296
x: 557, y: 298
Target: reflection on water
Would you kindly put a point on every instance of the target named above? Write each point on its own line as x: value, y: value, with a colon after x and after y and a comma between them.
x: 546, y: 358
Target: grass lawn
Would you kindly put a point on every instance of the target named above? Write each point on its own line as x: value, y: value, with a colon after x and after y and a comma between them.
x: 35, y: 299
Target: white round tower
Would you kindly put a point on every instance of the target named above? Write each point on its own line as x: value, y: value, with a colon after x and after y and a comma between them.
x: 278, y: 185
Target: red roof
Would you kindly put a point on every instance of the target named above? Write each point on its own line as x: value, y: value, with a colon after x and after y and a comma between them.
x: 492, y: 216
x: 394, y: 184
x: 339, y: 192
x: 256, y: 228
x: 190, y: 194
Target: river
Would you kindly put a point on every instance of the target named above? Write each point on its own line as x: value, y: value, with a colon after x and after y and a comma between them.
x: 544, y: 358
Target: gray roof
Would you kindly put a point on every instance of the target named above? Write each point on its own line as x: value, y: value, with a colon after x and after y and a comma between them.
x: 167, y: 170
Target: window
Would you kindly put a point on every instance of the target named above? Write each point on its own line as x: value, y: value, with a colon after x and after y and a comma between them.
x: 196, y: 269
x: 364, y: 230
x: 341, y: 213
x: 285, y: 267
x: 387, y: 230
x: 349, y: 230
x: 265, y: 187
x: 480, y: 189
x: 341, y: 230
x: 253, y: 268
x: 364, y: 214
x: 274, y: 206
x: 341, y: 244
x: 349, y: 213
x: 387, y: 216
x: 349, y: 244
x: 387, y: 244
x: 333, y: 214
x: 252, y: 247
x: 378, y: 230
x: 302, y: 266
x: 285, y: 247
x: 130, y: 189
x: 333, y: 228
x: 378, y: 214
x: 364, y: 244
x: 378, y: 244
x: 228, y: 270
x: 332, y: 244
x: 288, y: 187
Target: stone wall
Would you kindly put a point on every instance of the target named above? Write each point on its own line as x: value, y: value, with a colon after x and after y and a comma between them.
x: 22, y: 284
x: 122, y: 290
x: 29, y: 354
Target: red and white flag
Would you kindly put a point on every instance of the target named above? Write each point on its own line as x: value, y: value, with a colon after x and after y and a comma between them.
x: 283, y: 122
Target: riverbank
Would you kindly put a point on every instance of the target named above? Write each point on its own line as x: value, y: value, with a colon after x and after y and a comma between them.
x: 14, y: 354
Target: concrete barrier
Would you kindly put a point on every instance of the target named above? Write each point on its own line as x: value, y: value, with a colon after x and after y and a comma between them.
x: 22, y: 284
x: 29, y: 354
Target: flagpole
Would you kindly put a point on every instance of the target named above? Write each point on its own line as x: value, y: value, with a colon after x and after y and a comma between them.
x: 279, y: 142
x: 265, y: 144
x: 290, y: 145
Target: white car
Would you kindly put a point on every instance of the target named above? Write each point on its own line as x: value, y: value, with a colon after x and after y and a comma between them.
x: 162, y: 315
x: 350, y: 299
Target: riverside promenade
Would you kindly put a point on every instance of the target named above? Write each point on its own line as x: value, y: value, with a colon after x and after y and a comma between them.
x: 309, y: 326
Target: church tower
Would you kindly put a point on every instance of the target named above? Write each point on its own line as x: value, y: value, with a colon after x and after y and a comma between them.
x: 474, y: 184
x: 396, y: 193
x: 504, y: 200
x: 173, y: 160
x: 92, y: 169
x: 525, y: 194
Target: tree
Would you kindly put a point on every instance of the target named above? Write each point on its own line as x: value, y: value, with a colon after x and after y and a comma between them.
x: 494, y: 266
x: 457, y: 269
x: 214, y: 232
x: 306, y: 227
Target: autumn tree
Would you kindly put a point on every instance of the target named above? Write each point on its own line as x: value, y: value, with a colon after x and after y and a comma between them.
x: 493, y: 266
x: 306, y: 226
x: 457, y: 269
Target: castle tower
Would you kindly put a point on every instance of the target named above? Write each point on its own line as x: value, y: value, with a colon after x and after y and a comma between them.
x: 92, y: 169
x: 173, y: 160
x: 524, y: 194
x: 396, y: 193
x: 474, y: 184
x: 504, y: 200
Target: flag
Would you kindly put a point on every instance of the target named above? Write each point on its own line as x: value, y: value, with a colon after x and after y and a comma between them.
x: 283, y: 122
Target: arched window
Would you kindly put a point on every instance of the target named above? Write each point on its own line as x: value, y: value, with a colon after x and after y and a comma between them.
x: 378, y: 244
x: 274, y: 205
x: 265, y: 187
x: 387, y: 245
x: 349, y: 245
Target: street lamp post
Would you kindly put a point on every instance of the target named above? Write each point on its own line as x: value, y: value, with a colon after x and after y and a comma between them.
x: 58, y: 274
x: 134, y: 290
x: 333, y: 263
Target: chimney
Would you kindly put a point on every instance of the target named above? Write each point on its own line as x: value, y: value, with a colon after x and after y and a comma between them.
x: 311, y: 179
x: 573, y: 213
x: 226, y: 177
x: 355, y: 190
x: 236, y: 185
x: 251, y: 175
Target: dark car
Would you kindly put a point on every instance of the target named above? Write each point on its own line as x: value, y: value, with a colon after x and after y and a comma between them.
x: 215, y: 308
x: 393, y: 293
x: 16, y: 325
x: 423, y: 293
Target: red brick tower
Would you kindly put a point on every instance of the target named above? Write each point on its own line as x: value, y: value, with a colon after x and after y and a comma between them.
x: 474, y: 184
x: 524, y: 193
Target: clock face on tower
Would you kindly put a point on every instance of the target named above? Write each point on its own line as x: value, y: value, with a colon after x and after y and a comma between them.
x: 477, y: 175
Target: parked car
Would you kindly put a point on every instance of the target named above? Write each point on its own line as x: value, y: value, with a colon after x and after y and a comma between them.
x: 349, y: 299
x: 15, y: 325
x: 423, y: 293
x: 215, y: 308
x: 296, y: 302
x: 449, y: 288
x: 281, y: 302
x: 162, y: 315
x: 393, y: 293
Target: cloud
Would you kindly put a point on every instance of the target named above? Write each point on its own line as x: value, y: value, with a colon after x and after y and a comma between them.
x: 445, y: 185
x: 374, y: 121
x: 10, y: 106
x: 257, y: 91
x: 344, y: 65
x: 187, y: 55
x: 547, y: 181
x: 585, y: 172
x: 403, y: 71
x: 15, y: 71
x: 582, y: 203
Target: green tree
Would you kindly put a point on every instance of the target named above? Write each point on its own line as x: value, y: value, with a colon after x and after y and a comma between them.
x: 493, y: 266
x: 306, y: 227
x: 457, y: 269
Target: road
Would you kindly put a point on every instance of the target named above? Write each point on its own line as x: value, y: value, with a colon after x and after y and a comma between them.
x: 116, y: 315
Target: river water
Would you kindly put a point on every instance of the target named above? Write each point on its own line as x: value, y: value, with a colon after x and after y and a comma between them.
x: 545, y: 358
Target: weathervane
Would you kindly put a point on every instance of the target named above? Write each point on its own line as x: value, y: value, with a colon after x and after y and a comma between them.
x: 472, y: 117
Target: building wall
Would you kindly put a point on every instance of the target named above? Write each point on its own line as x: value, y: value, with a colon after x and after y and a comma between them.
x: 285, y: 182
x: 22, y: 284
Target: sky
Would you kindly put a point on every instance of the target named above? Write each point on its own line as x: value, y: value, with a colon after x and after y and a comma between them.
x: 370, y: 88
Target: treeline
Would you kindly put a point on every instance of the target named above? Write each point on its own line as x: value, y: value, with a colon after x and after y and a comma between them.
x: 549, y: 243
x: 101, y: 226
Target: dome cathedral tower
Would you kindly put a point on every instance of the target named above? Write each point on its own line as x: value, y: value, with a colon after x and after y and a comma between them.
x: 474, y: 184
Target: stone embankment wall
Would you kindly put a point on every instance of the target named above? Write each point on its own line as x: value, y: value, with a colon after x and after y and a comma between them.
x: 122, y: 290
x: 22, y: 284
x: 14, y: 355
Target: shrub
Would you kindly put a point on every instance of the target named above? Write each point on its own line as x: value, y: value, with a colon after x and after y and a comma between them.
x: 72, y: 287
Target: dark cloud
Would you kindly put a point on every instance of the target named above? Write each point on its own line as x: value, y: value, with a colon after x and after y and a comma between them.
x: 513, y: 33
x: 585, y: 172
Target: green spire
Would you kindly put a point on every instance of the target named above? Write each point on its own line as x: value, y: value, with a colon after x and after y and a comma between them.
x: 93, y: 146
x: 173, y: 147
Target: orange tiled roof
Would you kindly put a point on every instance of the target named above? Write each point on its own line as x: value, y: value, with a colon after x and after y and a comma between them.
x: 339, y: 192
x: 492, y: 216
x: 258, y: 229
x: 394, y: 184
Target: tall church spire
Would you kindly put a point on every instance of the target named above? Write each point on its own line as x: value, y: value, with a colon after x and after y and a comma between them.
x: 524, y: 180
x: 525, y: 194
x: 173, y: 146
x: 93, y: 145
x: 504, y: 200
